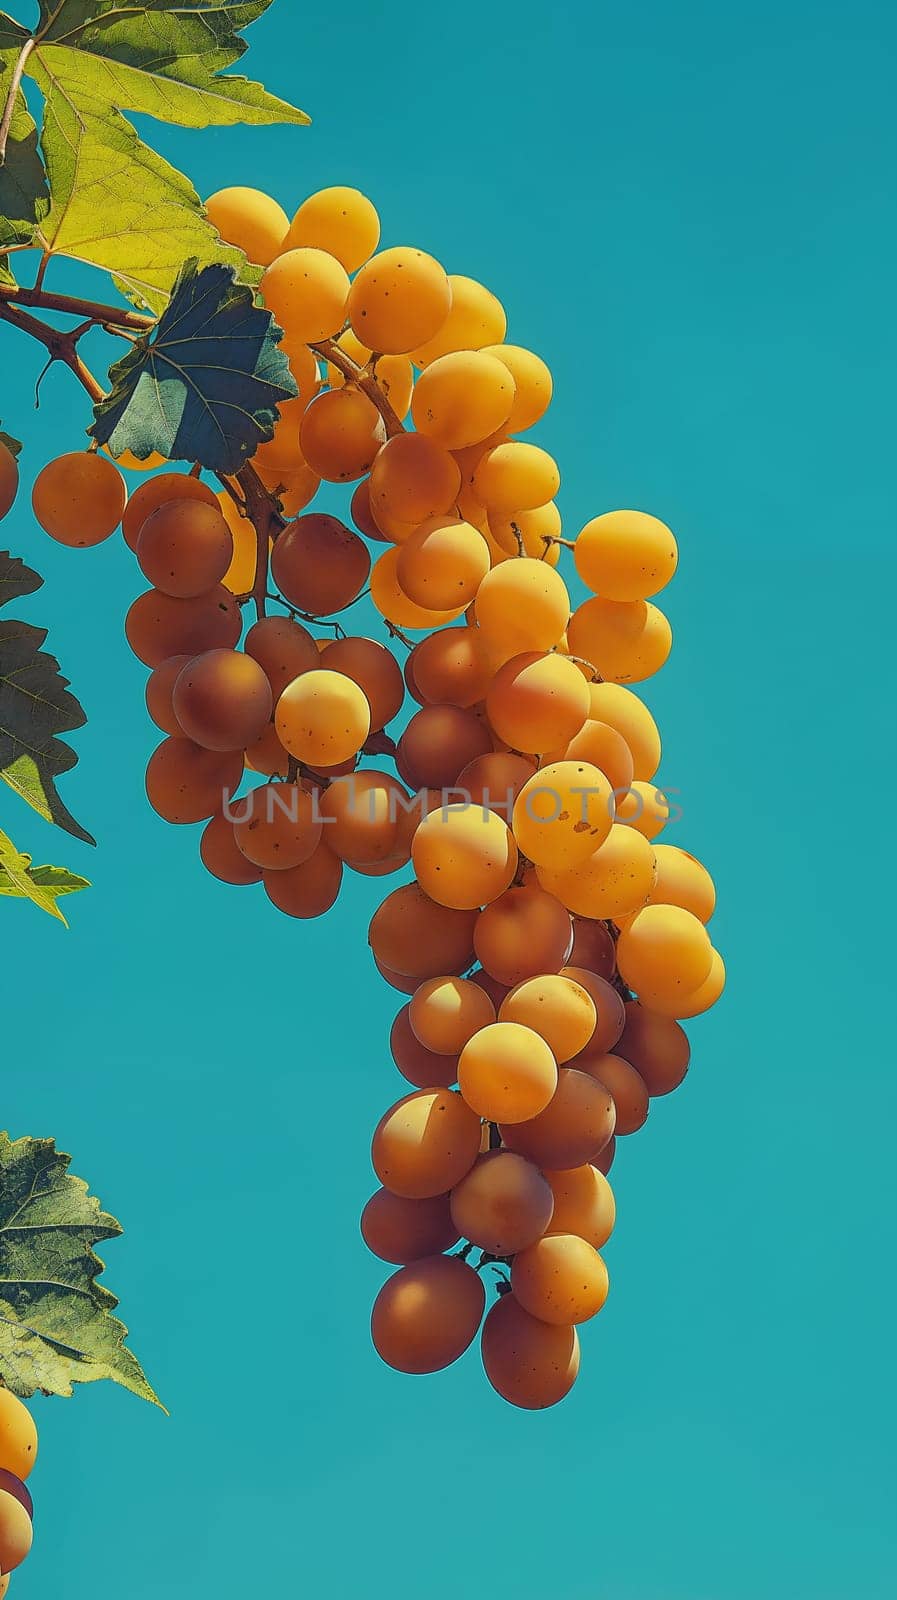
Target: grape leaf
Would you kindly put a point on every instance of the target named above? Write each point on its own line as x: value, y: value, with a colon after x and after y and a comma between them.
x: 205, y: 384
x: 54, y: 881
x: 35, y: 707
x: 24, y: 195
x: 17, y: 878
x: 115, y: 202
x: 56, y: 1322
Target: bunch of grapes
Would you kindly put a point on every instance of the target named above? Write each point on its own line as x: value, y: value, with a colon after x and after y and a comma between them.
x: 18, y: 1453
x: 549, y: 946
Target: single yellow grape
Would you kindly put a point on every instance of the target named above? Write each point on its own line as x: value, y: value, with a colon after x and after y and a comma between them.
x: 643, y: 806
x: 560, y: 1279
x: 322, y: 718
x: 583, y: 1204
x: 625, y: 555
x: 462, y: 398
x: 413, y: 478
x: 523, y: 605
x: 507, y: 1073
x: 563, y: 813
x: 516, y: 477
x: 395, y: 605
x: 464, y: 856
x: 443, y: 563
x: 559, y: 1009
x: 306, y: 292
x: 79, y: 499
x: 340, y: 434
x: 251, y: 221
x: 400, y: 299
x: 682, y: 880
x: 342, y: 221
x: 625, y: 640
x: 666, y: 951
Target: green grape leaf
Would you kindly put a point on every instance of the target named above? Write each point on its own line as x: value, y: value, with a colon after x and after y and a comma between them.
x: 24, y: 194
x: 35, y: 707
x: 53, y: 881
x: 15, y: 872
x: 205, y: 384
x: 56, y: 1322
x: 114, y: 202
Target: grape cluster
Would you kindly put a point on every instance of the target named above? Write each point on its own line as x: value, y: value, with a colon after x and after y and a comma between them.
x: 18, y: 1453
x: 548, y: 944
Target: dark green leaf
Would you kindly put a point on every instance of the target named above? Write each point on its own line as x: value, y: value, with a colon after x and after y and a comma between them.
x: 56, y: 1322
x: 35, y: 707
x: 206, y: 384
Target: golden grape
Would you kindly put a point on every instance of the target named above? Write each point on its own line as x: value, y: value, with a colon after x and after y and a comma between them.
x: 623, y: 1082
x: 560, y: 1279
x: 645, y: 808
x: 622, y: 710
x: 625, y: 555
x: 523, y: 605
x: 399, y: 300
x: 158, y: 626
x: 583, y: 1204
x: 307, y: 291
x: 251, y: 221
x: 342, y: 221
x: 18, y: 1435
x: 374, y: 669
x: 322, y: 718
x: 443, y: 563
x: 557, y: 1008
x: 462, y: 398
x: 222, y: 856
x: 16, y: 1531
x: 507, y: 1073
x: 516, y: 477
x: 283, y: 650
x: 464, y: 856
x: 626, y: 641
x: 413, y: 478
x: 610, y: 1014
x: 666, y: 951
x: 159, y: 690
x: 682, y: 880
x: 562, y: 814
x: 612, y: 882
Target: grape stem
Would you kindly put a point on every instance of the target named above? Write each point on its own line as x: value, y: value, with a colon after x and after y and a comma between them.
x: 267, y: 522
x: 61, y: 346
x: 104, y: 315
x: 329, y: 350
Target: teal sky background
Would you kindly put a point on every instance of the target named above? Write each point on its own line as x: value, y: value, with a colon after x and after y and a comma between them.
x: 689, y: 211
